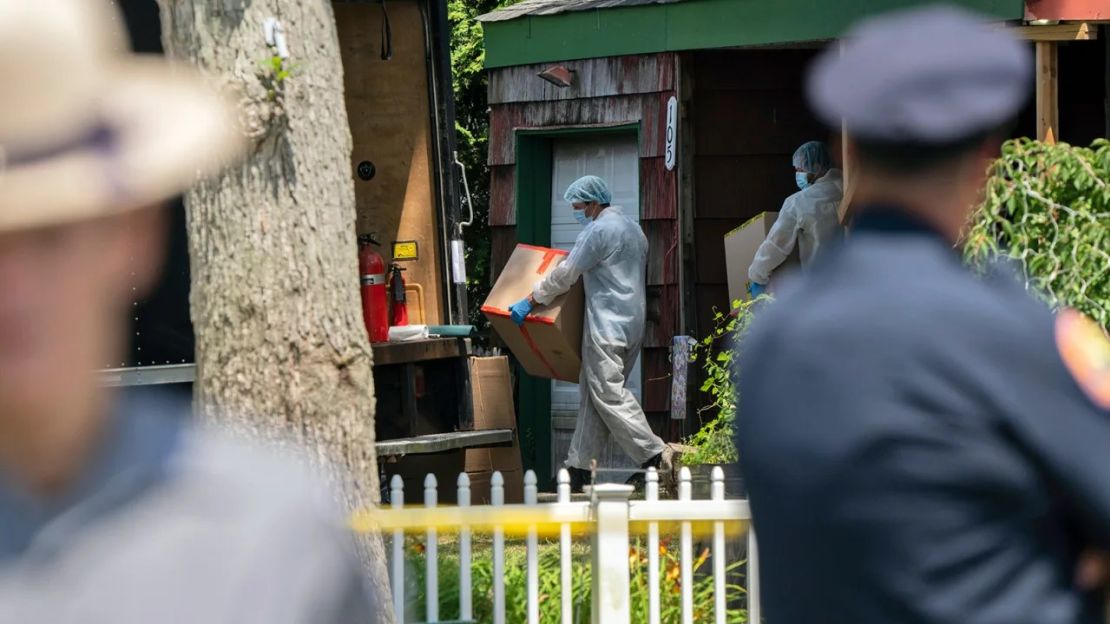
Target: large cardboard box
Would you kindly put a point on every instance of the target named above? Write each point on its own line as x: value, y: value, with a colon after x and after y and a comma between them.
x: 491, y: 393
x: 740, y: 247
x: 549, y: 344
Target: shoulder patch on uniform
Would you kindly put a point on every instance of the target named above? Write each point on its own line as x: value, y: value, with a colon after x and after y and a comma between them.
x: 1085, y: 350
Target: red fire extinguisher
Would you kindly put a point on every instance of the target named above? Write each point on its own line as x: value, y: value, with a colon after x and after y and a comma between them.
x: 375, y: 306
x: 399, y: 309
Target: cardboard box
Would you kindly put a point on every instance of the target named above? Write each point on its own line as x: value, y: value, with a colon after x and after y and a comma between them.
x: 549, y: 344
x: 492, y: 399
x: 491, y: 391
x: 740, y: 247
x: 480, y: 487
x: 413, y: 469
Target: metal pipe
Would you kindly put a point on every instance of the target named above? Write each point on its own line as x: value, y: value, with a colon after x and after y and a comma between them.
x: 441, y: 186
x: 466, y: 191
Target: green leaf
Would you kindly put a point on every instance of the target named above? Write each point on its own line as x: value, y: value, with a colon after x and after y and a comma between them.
x: 1048, y: 206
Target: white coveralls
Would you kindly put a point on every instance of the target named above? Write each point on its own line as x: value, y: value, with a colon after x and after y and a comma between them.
x: 611, y: 257
x: 808, y: 219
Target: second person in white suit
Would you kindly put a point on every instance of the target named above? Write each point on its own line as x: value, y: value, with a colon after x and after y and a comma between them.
x: 809, y: 219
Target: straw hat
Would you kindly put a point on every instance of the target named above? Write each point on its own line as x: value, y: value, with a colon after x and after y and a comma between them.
x: 88, y: 129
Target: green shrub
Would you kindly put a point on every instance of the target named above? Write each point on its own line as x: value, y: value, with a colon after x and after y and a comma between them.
x: 714, y: 443
x: 1048, y: 208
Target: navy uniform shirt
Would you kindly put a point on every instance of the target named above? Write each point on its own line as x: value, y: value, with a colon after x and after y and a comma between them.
x: 915, y: 449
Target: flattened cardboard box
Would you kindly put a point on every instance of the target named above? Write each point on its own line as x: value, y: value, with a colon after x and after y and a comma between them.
x: 740, y: 247
x: 549, y: 344
x: 492, y: 400
x: 491, y: 390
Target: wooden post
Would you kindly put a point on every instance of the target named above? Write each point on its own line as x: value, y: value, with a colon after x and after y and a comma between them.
x: 846, y: 171
x: 497, y: 499
x: 755, y: 602
x: 397, y: 499
x: 610, y: 578
x: 1048, y: 109
x: 849, y: 174
x: 431, y: 553
x: 466, y: 605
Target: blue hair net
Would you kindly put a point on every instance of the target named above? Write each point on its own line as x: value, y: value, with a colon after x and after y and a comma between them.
x: 588, y: 189
x: 813, y: 157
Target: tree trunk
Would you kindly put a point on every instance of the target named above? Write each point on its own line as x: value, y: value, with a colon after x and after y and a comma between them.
x: 281, y: 347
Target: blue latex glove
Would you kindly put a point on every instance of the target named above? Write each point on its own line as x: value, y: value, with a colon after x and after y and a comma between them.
x: 520, y: 310
x: 755, y: 290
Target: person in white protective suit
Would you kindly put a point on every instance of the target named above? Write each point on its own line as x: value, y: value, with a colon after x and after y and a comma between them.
x: 611, y: 257
x: 809, y: 219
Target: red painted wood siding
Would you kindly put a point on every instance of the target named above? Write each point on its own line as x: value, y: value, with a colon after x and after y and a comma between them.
x: 658, y: 190
x: 593, y: 78
x: 502, y: 196
x: 1074, y: 10
x: 608, y: 92
x: 619, y: 110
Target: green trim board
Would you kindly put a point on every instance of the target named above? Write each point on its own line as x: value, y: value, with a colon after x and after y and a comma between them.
x: 578, y: 130
x: 533, y: 226
x: 690, y: 25
x: 534, y: 160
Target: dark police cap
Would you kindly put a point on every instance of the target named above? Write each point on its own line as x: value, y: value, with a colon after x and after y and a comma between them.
x: 930, y: 75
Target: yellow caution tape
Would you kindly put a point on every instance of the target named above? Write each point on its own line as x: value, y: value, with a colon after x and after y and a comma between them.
x: 512, y: 520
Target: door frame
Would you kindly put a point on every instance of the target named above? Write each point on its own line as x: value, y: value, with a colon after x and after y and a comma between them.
x: 534, y: 160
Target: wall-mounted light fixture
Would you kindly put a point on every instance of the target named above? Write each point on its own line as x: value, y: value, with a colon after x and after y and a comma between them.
x: 558, y: 75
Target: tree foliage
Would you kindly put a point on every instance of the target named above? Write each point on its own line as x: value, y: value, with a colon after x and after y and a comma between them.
x: 472, y: 131
x: 1047, y: 207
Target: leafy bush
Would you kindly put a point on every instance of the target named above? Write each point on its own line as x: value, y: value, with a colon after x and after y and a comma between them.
x: 550, y: 592
x: 1047, y: 207
x: 713, y: 443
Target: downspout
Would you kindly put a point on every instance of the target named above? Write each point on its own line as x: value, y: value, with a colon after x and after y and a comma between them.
x: 437, y: 56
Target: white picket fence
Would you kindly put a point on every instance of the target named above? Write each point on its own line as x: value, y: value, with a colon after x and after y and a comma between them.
x: 608, y: 518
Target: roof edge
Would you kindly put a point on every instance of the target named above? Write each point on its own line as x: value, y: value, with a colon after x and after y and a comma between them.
x: 688, y: 25
x: 537, y: 8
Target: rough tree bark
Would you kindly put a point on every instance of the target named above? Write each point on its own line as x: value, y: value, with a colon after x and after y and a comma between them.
x: 281, y: 347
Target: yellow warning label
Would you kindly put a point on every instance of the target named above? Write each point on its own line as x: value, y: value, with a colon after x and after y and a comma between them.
x: 405, y: 250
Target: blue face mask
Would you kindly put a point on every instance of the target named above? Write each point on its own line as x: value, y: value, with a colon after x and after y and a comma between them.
x: 802, y: 178
x: 580, y: 217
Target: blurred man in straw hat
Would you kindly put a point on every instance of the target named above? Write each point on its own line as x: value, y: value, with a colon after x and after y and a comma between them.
x: 113, y: 507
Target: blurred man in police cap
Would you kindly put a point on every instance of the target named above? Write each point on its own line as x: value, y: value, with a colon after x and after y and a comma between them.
x: 922, y: 444
x: 114, y: 507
